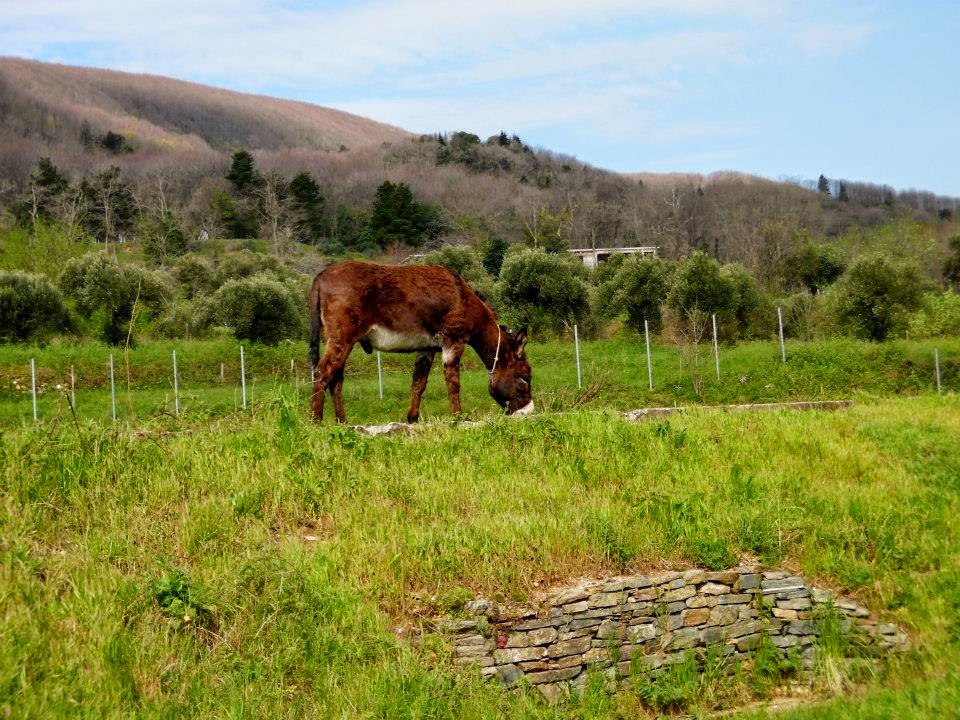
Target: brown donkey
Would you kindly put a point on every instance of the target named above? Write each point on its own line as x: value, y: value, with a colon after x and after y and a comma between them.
x: 418, y: 309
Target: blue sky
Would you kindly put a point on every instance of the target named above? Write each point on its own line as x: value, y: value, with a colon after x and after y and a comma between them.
x: 855, y: 90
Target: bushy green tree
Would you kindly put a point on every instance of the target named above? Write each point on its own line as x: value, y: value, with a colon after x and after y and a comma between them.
x: 697, y: 285
x: 398, y: 218
x: 751, y: 313
x: 111, y: 209
x: 245, y: 264
x: 543, y: 290
x: 195, y: 274
x: 465, y: 262
x: 260, y: 309
x: 812, y: 266
x: 951, y: 267
x: 637, y: 287
x: 875, y: 295
x: 938, y: 316
x: 185, y: 319
x: 492, y: 250
x: 237, y: 219
x: 351, y: 229
x: 162, y: 237
x: 548, y: 230
x: 106, y: 292
x: 31, y: 308
x: 47, y: 186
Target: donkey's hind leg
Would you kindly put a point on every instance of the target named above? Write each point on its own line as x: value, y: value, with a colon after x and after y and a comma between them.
x: 329, y: 368
x: 336, y: 392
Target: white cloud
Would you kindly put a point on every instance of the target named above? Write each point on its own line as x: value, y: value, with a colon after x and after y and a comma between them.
x: 355, y: 42
x: 832, y: 38
x: 610, y: 69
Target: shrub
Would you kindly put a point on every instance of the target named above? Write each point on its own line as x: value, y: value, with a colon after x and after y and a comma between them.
x: 260, y: 309
x: 493, y: 251
x: 813, y: 266
x: 805, y: 316
x: 162, y: 237
x: 245, y: 264
x: 543, y: 290
x: 31, y: 307
x: 697, y: 289
x: 637, y: 287
x: 106, y: 292
x: 698, y: 286
x: 465, y: 261
x: 939, y: 316
x: 185, y: 319
x: 195, y: 275
x: 951, y: 266
x: 875, y: 295
x: 751, y: 313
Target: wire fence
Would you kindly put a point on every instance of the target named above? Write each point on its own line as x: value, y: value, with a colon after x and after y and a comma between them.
x: 241, y: 379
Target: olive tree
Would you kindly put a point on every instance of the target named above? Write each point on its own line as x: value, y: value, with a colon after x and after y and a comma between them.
x: 107, y: 293
x: 875, y: 295
x: 31, y: 307
x: 260, y: 308
x: 465, y: 262
x: 543, y: 290
x: 638, y: 288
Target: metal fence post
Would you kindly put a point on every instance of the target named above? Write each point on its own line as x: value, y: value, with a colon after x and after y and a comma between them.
x: 716, y: 346
x: 936, y: 367
x: 576, y: 348
x: 176, y: 387
x: 243, y: 379
x: 380, y: 374
x: 33, y: 386
x: 783, y: 350
x: 113, y: 392
x: 646, y: 332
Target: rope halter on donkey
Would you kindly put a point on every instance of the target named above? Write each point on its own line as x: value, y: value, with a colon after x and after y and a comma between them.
x: 496, y: 355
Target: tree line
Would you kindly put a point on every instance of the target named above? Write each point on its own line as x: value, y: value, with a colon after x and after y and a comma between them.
x: 261, y: 297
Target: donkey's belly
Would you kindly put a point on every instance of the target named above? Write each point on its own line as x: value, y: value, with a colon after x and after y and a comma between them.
x: 380, y: 338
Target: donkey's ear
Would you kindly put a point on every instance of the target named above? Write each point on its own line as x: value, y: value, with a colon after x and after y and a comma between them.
x: 520, y: 342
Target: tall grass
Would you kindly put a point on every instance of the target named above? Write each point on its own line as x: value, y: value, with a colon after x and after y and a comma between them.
x: 263, y: 566
x: 614, y: 377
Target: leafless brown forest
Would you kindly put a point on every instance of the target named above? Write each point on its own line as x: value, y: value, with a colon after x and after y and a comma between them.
x: 173, y: 142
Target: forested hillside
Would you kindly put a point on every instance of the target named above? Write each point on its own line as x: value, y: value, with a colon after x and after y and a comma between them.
x: 159, y: 148
x: 181, y: 176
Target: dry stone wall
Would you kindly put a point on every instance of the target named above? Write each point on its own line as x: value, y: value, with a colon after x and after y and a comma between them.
x: 653, y: 620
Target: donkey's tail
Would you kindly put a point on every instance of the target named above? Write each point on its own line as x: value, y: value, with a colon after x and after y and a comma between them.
x: 316, y: 323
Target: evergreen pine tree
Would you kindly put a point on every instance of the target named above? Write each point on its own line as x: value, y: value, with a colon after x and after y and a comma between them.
x: 308, y: 206
x: 823, y: 186
x: 243, y: 174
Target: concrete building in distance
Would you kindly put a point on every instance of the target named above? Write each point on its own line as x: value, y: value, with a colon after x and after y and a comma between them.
x: 592, y: 257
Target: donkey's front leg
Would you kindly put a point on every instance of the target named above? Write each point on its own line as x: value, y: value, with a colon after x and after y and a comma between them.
x: 421, y: 370
x: 451, y: 373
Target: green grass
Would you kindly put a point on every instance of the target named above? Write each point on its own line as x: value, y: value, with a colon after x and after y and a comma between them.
x: 251, y: 564
x: 614, y: 376
x: 257, y: 565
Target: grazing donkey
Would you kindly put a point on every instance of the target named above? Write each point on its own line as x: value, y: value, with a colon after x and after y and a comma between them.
x: 418, y: 309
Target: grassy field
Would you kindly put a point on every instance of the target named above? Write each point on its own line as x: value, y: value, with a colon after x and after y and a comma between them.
x: 236, y: 565
x: 614, y: 376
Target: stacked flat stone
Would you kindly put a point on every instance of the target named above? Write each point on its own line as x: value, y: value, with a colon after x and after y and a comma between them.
x: 653, y: 620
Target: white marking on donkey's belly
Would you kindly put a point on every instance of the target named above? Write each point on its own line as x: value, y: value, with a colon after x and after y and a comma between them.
x: 391, y: 341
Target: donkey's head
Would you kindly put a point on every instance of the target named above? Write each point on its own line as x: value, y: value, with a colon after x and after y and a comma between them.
x: 510, y: 376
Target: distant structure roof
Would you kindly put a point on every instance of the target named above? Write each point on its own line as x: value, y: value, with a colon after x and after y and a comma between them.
x: 592, y: 257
